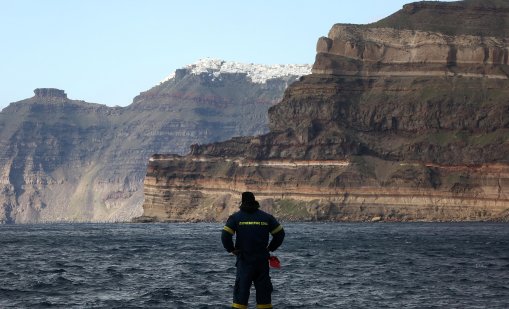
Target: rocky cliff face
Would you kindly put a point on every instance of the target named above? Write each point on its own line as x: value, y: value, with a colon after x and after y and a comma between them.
x: 403, y: 119
x: 68, y: 160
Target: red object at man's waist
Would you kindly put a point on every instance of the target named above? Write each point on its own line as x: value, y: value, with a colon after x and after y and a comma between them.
x: 274, y: 262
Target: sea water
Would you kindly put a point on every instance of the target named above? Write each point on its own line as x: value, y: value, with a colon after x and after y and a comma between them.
x: 324, y: 265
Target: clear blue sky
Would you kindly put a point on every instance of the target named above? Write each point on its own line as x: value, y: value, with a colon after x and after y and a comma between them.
x: 108, y: 51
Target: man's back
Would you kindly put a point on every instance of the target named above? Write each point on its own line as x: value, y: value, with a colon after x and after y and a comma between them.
x: 253, y: 229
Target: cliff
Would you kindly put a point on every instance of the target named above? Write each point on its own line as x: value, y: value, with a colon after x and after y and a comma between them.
x: 69, y: 160
x: 404, y: 119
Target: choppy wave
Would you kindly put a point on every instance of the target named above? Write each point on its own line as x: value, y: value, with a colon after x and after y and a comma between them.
x: 324, y: 265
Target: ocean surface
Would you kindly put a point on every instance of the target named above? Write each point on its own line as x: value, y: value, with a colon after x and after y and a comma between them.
x: 324, y: 265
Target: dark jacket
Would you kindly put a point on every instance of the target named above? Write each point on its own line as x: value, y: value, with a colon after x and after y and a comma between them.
x: 252, y: 227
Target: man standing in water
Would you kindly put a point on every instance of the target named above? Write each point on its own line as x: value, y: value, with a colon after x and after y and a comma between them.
x: 252, y: 248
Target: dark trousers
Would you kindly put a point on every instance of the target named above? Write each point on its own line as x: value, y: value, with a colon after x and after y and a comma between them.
x: 249, y: 272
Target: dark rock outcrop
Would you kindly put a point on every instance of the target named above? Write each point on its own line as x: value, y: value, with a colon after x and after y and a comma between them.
x: 403, y: 119
x: 50, y: 93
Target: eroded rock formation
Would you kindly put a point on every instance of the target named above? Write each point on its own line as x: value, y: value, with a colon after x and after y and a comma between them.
x: 50, y: 93
x: 68, y: 160
x: 403, y: 119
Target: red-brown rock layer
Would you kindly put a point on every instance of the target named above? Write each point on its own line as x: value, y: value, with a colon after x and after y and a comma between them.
x: 405, y: 119
x: 360, y: 189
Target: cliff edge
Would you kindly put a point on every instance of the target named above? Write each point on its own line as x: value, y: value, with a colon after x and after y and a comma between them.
x: 401, y: 120
x: 73, y: 161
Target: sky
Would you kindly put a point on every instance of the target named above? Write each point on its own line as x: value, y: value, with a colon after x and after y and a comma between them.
x: 108, y: 51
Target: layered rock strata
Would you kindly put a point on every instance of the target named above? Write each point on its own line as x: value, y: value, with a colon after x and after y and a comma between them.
x: 69, y: 160
x: 358, y: 189
x: 405, y: 119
